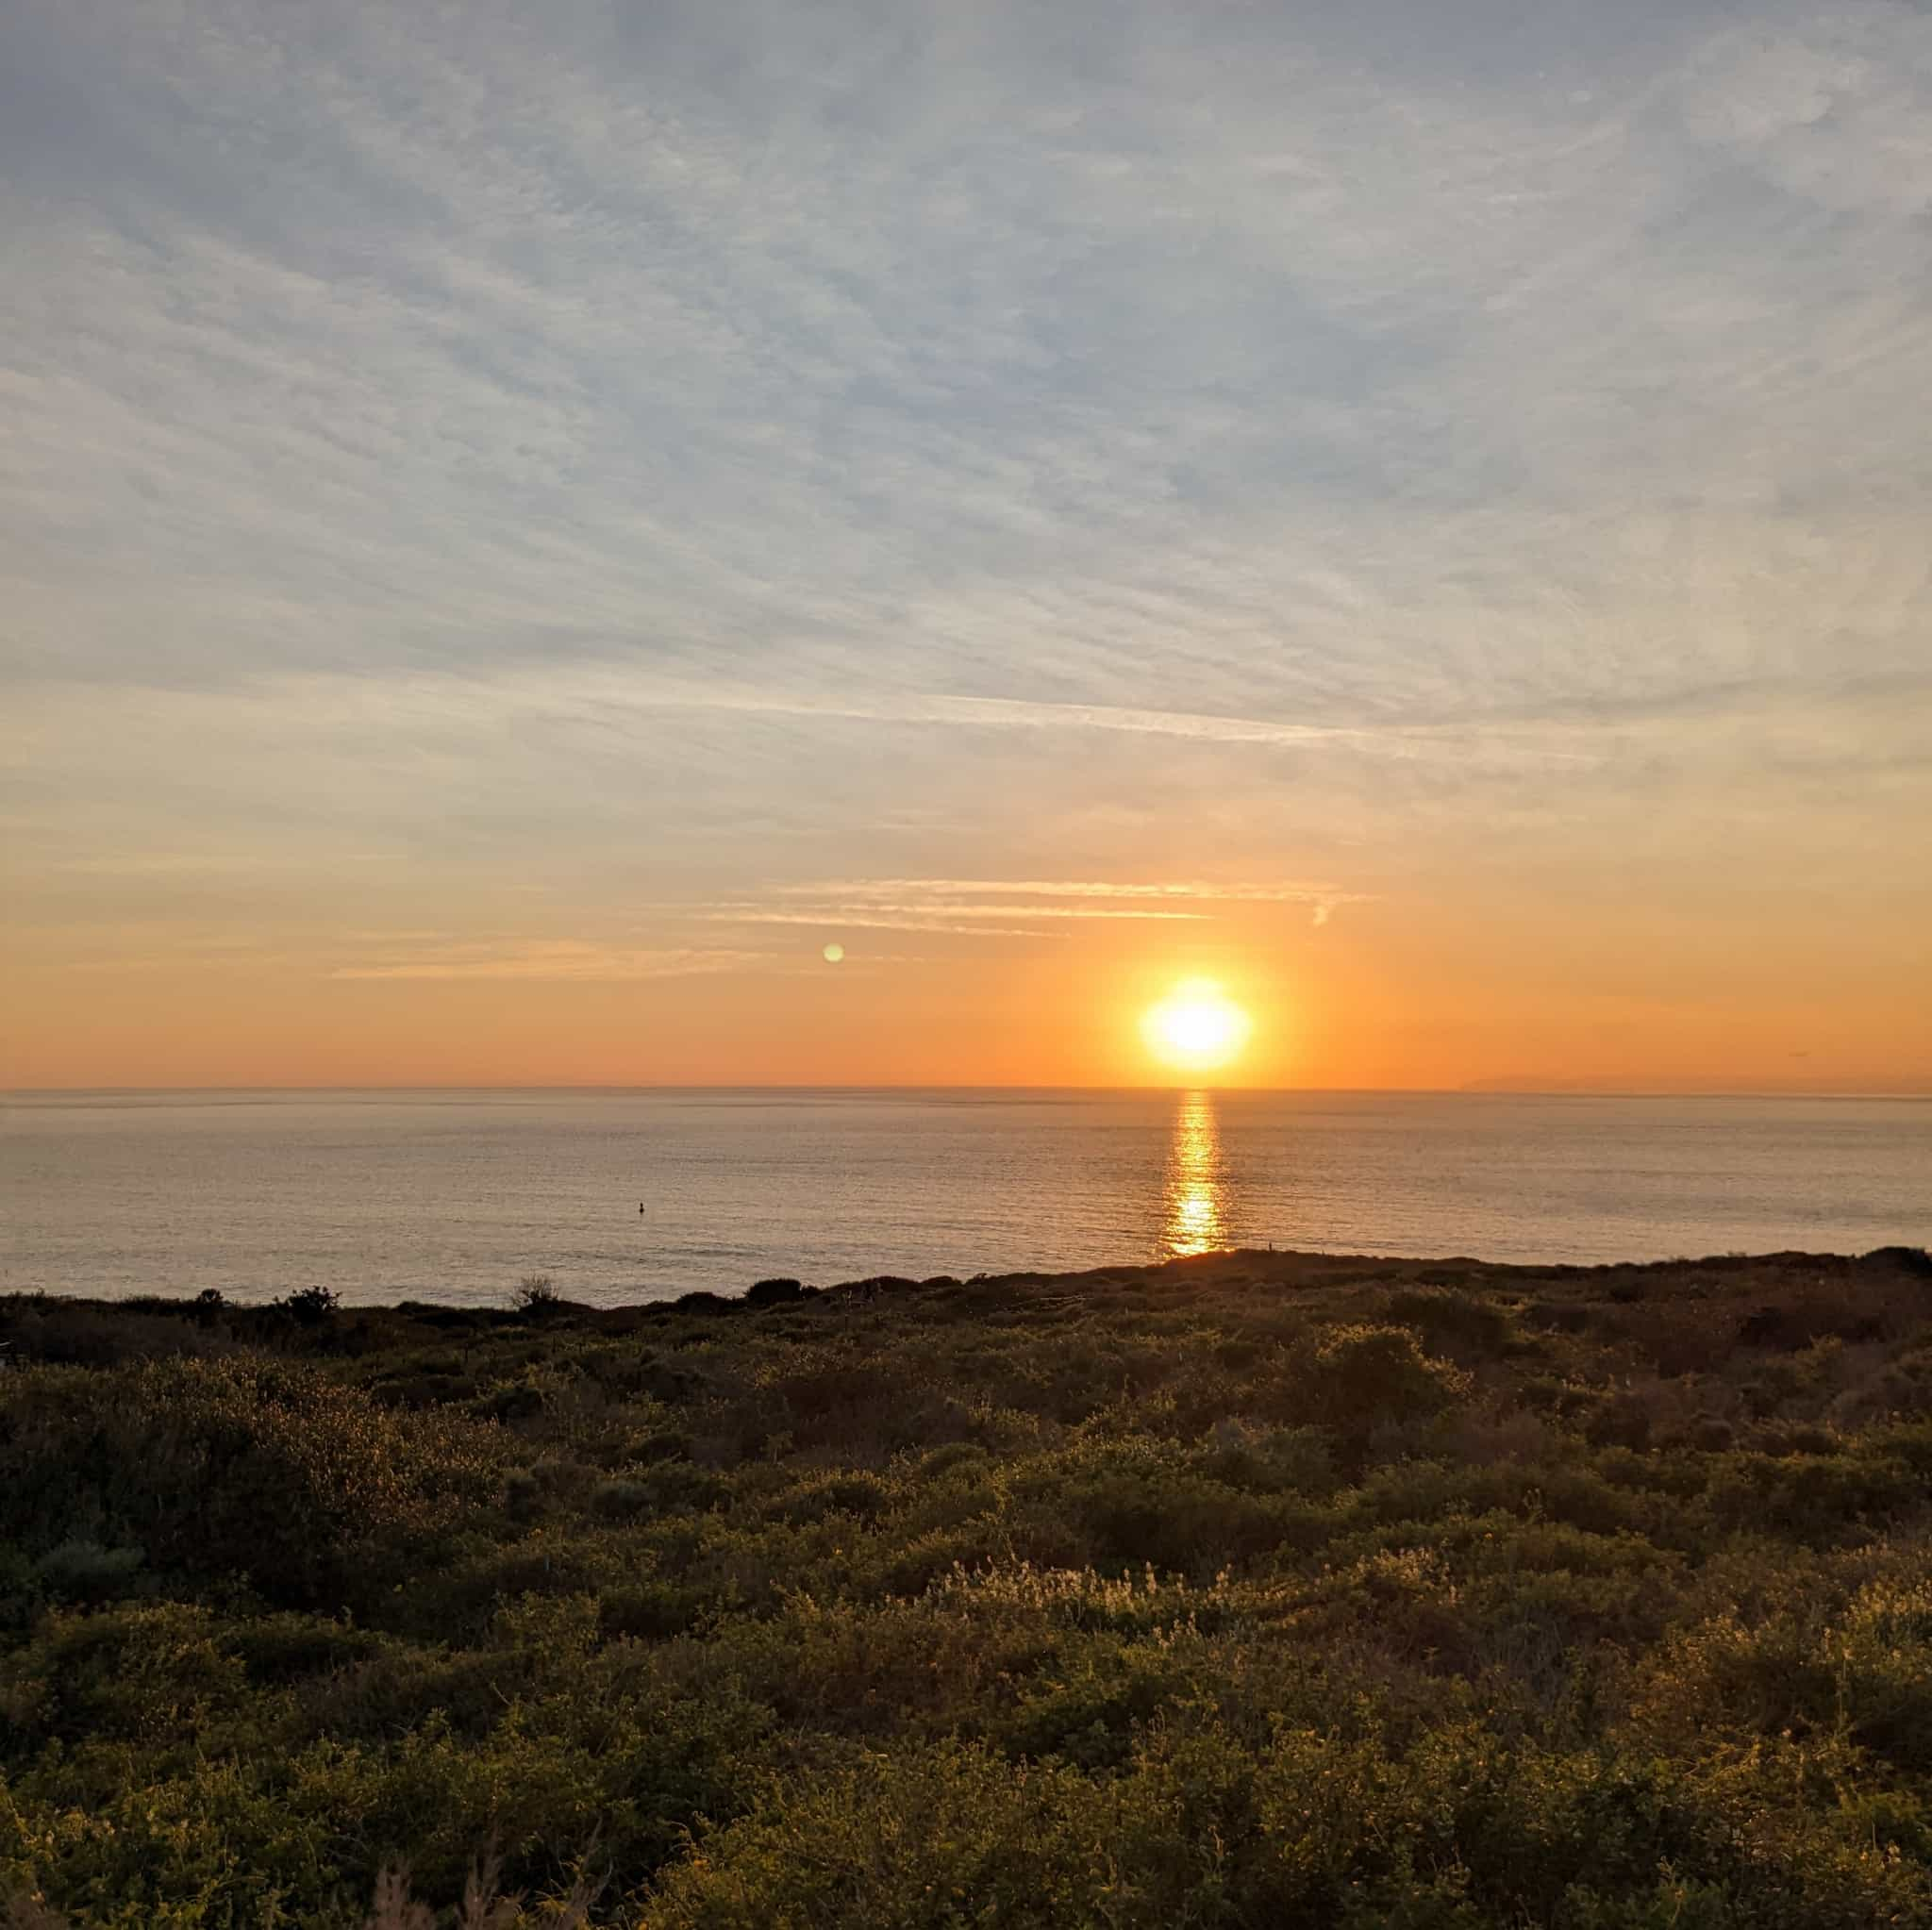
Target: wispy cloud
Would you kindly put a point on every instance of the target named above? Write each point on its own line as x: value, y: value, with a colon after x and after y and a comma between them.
x: 958, y: 900
x: 877, y: 907
x: 487, y: 350
x: 941, y: 920
x: 1018, y: 907
x: 565, y: 960
x: 858, y: 890
x: 1005, y: 713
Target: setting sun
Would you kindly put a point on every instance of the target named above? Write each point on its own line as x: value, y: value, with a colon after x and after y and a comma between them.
x: 1197, y: 1027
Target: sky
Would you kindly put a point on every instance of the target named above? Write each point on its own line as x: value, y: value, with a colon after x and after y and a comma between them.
x: 518, y: 527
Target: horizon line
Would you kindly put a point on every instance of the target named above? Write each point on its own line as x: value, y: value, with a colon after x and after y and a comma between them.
x: 1481, y: 1090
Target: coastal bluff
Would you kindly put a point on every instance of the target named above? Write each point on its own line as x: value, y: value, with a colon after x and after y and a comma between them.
x: 1254, y: 1589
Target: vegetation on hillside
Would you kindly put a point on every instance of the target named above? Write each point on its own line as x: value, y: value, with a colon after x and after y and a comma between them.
x: 1260, y: 1589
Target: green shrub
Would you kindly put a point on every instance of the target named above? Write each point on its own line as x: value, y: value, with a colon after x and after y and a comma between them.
x: 1270, y: 1460
x: 652, y: 1610
x: 268, y: 1472
x: 83, y: 1570
x: 620, y: 1501
x: 1460, y: 1324
x: 1812, y: 1499
x: 1223, y: 1595
x: 1362, y: 1374
x: 865, y: 1496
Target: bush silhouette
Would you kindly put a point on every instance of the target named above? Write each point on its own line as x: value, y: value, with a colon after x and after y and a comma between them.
x: 537, y: 1296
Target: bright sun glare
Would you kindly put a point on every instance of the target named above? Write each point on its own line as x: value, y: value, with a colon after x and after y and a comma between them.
x: 1197, y: 1026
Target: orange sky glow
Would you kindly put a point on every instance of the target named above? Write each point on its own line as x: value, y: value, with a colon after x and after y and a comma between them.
x: 1362, y: 1001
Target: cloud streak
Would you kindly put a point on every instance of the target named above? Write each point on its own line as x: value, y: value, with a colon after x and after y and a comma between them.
x: 862, y: 888
x: 1005, y: 713
x: 952, y: 922
x: 562, y: 961
x: 1022, y: 908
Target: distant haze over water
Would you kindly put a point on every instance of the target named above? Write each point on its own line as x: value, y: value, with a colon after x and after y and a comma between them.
x: 456, y: 1195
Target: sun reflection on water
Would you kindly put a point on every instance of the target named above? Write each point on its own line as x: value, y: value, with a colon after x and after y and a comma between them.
x: 1196, y: 1217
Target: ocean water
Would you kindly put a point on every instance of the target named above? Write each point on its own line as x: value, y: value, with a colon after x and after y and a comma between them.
x: 457, y: 1195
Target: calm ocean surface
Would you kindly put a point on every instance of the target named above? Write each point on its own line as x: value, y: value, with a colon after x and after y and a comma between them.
x: 456, y: 1195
